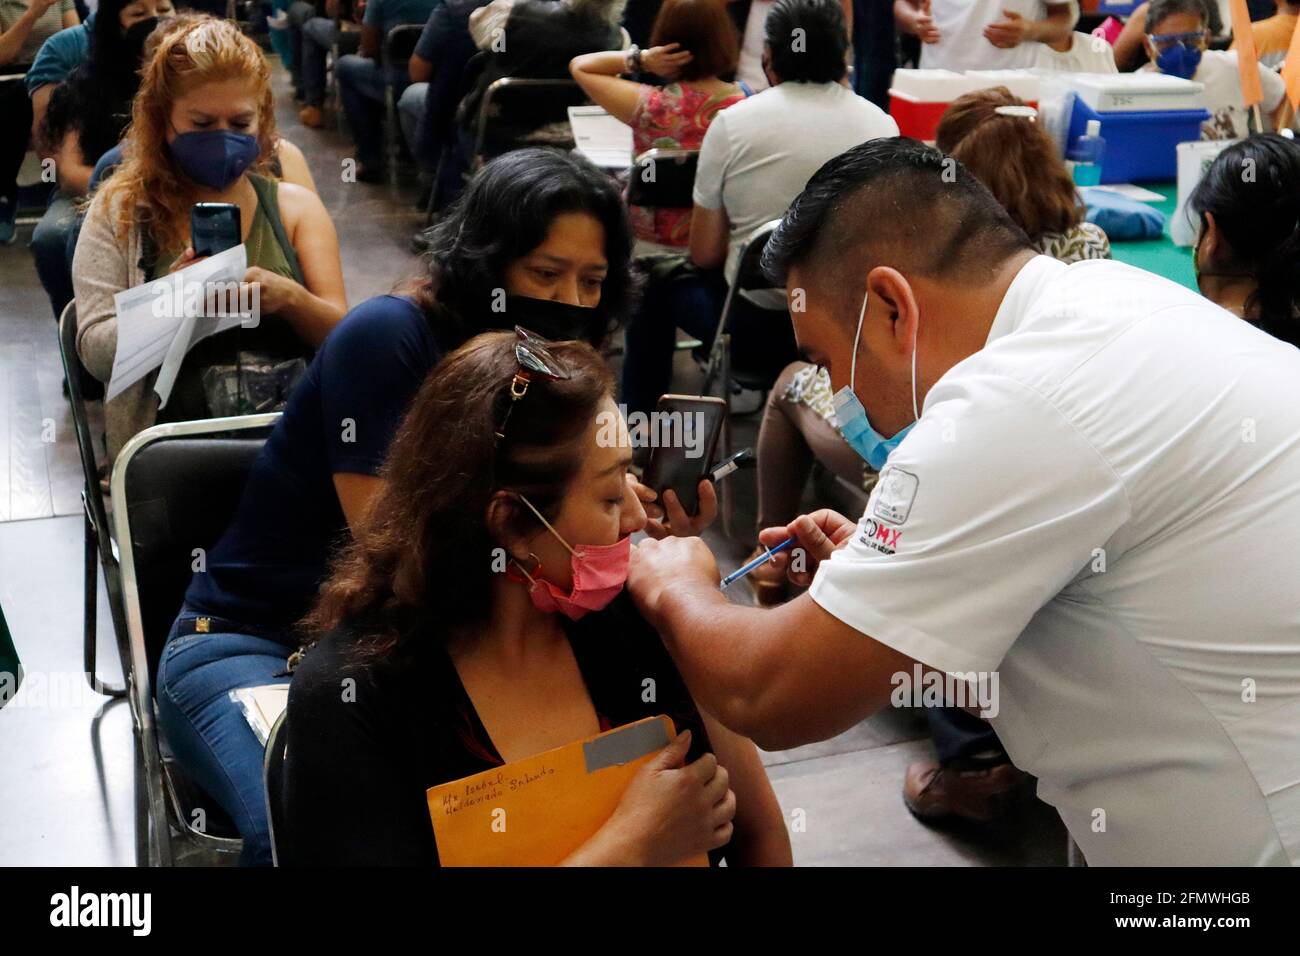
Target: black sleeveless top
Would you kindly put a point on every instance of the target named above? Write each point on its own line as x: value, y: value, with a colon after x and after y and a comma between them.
x: 356, y: 772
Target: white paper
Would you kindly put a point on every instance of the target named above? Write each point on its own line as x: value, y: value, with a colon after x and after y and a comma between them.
x: 1130, y: 191
x: 602, y: 138
x: 1194, y: 158
x: 147, y: 340
x: 262, y: 707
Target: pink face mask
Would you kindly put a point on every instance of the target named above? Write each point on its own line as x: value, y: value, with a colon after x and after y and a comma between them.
x: 599, y: 573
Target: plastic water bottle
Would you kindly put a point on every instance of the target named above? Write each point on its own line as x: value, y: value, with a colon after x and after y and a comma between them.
x: 1088, y: 153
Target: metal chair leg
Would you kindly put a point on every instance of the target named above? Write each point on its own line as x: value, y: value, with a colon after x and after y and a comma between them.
x: 90, y: 614
x: 392, y: 151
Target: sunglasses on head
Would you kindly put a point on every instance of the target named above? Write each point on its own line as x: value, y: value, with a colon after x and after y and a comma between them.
x: 536, y: 360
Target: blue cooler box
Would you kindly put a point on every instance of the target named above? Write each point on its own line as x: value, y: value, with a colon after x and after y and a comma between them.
x: 1140, y: 147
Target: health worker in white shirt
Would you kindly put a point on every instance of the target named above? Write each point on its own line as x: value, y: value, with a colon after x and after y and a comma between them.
x: 984, y: 34
x: 1087, y: 523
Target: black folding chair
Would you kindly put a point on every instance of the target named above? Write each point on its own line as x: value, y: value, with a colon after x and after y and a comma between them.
x: 751, y: 291
x: 515, y: 108
x: 469, y: 77
x: 399, y: 44
x: 663, y: 179
x: 100, y: 549
x: 272, y: 778
x: 769, y: 345
x: 175, y: 488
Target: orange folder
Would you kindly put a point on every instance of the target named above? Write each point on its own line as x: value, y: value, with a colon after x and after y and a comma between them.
x: 535, y: 812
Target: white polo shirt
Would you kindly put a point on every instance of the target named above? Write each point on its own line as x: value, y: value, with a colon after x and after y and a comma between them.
x: 1103, y: 505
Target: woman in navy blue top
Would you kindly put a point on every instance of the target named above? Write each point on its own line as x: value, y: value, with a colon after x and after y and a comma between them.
x: 539, y: 239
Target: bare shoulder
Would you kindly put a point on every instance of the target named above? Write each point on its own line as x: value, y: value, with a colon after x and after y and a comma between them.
x: 299, y: 204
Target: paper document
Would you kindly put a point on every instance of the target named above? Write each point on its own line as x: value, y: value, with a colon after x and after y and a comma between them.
x: 160, y: 321
x: 604, y: 140
x: 538, y: 810
x: 1130, y: 191
x: 262, y: 706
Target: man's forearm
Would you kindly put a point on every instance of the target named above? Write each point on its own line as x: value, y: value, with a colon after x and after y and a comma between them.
x: 723, y: 651
x: 1053, y: 27
x: 12, y: 40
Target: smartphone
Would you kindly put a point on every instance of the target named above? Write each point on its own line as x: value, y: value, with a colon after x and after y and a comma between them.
x: 684, y: 432
x: 214, y: 227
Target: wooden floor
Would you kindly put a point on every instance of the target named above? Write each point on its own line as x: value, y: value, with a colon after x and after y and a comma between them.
x: 66, y: 789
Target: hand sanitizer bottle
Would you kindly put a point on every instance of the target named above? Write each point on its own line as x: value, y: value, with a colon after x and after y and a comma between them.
x: 1087, y: 155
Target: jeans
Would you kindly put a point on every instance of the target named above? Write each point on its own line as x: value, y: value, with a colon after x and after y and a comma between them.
x: 207, y: 731
x: 963, y: 740
x: 300, y: 12
x: 410, y: 110
x: 51, y: 251
x: 691, y: 299
x: 318, y: 35
x: 361, y: 88
x: 873, y: 50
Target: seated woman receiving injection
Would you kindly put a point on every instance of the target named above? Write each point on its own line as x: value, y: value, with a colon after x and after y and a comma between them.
x: 480, y: 611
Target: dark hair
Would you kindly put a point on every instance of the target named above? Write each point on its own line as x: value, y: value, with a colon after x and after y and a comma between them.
x: 894, y: 201
x: 1207, y: 10
x: 817, y: 54
x: 703, y: 28
x: 1253, y: 190
x: 505, y: 213
x: 96, y: 97
x: 421, y: 562
x: 1014, y: 157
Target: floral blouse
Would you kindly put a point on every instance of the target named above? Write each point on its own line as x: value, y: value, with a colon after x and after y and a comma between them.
x: 673, y: 117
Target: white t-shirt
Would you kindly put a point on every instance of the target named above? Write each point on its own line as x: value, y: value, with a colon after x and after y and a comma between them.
x: 1219, y: 71
x: 758, y: 155
x: 1103, y: 505
x: 1087, y: 54
x: 962, y: 45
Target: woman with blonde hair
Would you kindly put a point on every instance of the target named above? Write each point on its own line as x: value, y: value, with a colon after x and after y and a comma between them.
x: 203, y: 130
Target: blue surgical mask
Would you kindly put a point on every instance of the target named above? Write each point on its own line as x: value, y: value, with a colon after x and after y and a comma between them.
x: 1179, y: 60
x: 214, y: 157
x: 851, y: 417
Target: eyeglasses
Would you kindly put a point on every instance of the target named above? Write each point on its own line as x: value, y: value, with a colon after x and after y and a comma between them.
x: 1167, y: 41
x: 535, y: 359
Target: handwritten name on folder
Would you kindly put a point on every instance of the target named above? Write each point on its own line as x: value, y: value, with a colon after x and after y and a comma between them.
x: 537, y: 811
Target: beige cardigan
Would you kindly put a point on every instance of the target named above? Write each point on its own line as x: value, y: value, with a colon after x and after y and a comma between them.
x: 101, y: 267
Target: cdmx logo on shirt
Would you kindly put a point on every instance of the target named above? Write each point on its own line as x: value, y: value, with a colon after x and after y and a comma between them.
x: 879, y: 537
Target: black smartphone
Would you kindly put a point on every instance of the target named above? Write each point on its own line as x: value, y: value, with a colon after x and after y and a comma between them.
x: 684, y: 432
x: 214, y: 227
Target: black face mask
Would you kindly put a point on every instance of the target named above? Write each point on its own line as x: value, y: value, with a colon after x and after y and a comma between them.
x: 134, y: 37
x: 553, y: 320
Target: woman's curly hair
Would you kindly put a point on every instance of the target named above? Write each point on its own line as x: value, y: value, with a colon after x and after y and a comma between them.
x: 148, y: 189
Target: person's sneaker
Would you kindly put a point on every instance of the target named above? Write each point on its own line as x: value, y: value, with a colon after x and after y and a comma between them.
x: 8, y: 221
x: 313, y: 117
x: 933, y: 792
